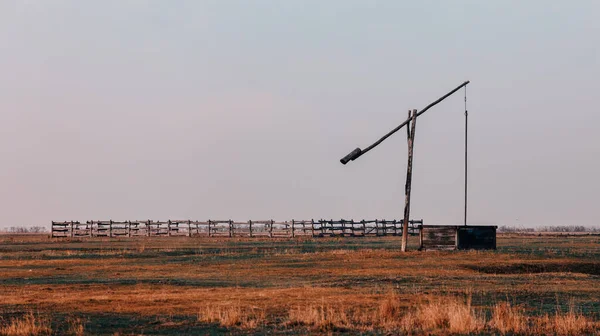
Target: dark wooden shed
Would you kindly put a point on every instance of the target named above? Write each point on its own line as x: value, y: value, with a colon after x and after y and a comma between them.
x: 457, y: 237
x: 481, y: 237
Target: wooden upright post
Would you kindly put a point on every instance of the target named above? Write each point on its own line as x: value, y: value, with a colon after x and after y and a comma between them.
x: 250, y: 227
x: 293, y: 229
x: 411, y: 141
x: 421, y: 237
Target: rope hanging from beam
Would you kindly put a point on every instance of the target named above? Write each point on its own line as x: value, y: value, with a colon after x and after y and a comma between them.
x: 466, y: 152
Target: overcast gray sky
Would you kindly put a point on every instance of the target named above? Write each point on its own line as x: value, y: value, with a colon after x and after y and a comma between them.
x: 242, y: 110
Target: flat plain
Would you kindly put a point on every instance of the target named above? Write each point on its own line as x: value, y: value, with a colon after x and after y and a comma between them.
x: 363, y: 285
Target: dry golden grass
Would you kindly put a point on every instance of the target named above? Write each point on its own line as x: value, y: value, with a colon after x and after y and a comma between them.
x: 76, y: 326
x: 321, y: 317
x: 233, y: 316
x: 569, y: 323
x: 454, y: 315
x: 320, y: 286
x: 30, y: 324
x: 436, y: 316
x: 507, y: 318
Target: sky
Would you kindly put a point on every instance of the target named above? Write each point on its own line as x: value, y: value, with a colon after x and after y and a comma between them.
x: 131, y: 110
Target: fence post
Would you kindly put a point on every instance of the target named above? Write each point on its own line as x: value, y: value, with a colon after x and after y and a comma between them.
x: 230, y: 228
x: 421, y: 237
x: 110, y: 228
x: 293, y: 230
x: 128, y: 228
x: 271, y: 229
x: 209, y: 230
x: 250, y: 227
x: 189, y: 228
x: 312, y: 227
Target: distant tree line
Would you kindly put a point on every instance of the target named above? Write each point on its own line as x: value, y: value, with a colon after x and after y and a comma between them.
x: 26, y: 229
x: 561, y: 228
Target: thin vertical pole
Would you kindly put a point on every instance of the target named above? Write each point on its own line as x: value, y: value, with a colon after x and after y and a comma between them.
x: 411, y: 141
x: 466, y: 133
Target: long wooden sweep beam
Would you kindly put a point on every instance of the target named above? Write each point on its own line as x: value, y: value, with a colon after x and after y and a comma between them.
x: 355, y: 154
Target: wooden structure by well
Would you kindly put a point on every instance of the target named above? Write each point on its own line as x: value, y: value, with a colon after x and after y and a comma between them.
x: 457, y: 237
x: 410, y: 123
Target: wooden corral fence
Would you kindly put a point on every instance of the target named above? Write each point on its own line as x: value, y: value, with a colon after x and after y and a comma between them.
x: 230, y: 228
x: 457, y: 237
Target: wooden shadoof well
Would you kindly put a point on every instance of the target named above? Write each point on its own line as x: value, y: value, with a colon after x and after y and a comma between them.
x: 229, y: 228
x: 457, y: 237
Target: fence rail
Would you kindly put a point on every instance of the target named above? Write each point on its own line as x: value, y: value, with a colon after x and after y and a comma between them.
x: 229, y: 228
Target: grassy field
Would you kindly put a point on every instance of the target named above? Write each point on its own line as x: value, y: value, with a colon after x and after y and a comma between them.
x: 178, y: 285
